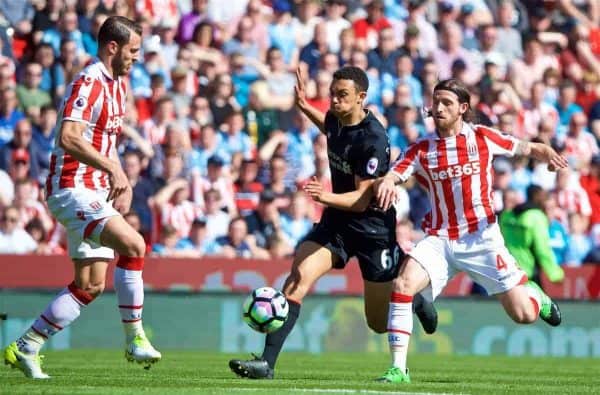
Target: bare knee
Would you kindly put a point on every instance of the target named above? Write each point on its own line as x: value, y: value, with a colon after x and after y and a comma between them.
x: 404, y: 285
x: 134, y: 246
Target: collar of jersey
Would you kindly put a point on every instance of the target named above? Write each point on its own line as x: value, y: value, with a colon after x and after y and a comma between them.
x: 351, y: 127
x: 466, y: 129
x: 104, y: 70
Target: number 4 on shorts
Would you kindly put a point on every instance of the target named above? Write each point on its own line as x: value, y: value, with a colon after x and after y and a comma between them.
x: 500, y: 263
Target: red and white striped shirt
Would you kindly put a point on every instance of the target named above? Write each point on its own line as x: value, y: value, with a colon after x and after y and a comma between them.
x: 97, y: 100
x: 574, y: 200
x: 180, y: 216
x: 457, y: 173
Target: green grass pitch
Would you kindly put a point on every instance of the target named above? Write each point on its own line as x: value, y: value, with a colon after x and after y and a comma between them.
x: 187, y: 372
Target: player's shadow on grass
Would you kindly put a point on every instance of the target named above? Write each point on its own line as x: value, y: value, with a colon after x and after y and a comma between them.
x: 441, y: 380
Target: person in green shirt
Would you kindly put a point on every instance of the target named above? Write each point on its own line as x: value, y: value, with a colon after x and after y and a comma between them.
x: 29, y: 92
x: 526, y: 232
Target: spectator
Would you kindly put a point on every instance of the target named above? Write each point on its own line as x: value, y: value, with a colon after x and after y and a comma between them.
x: 168, y: 245
x: 44, y: 133
x: 198, y: 244
x: 384, y: 56
x: 559, y: 237
x: 173, y: 207
x: 236, y: 139
x: 9, y: 114
x: 70, y: 60
x: 284, y: 32
x: 335, y: 23
x: 524, y: 72
x: 13, y: 238
x: 315, y: 49
x: 307, y: 17
x: 22, y: 148
x: 264, y: 223
x: 403, y: 74
x: 28, y: 206
x: 210, y: 144
x: 534, y: 111
x: 217, y: 220
x: 53, y: 75
x: 526, y: 231
x: 154, y: 129
x: 218, y: 179
x: 189, y: 21
x: 580, y: 243
x: 143, y: 189
x: 279, y: 183
x: 260, y: 117
x: 239, y: 244
x: 366, y: 29
x: 38, y: 233
x: 427, y: 34
x: 405, y: 129
x: 203, y: 46
x: 247, y: 189
x: 67, y: 27
x: 31, y: 96
x: 244, y: 45
x: 580, y: 145
x: 509, y: 38
x: 297, y: 221
x: 300, y: 147
x: 570, y: 195
x: 590, y: 181
x: 180, y: 95
x: 451, y: 50
x: 222, y: 101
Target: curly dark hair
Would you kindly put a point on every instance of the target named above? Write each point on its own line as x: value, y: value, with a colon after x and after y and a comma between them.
x: 361, y: 81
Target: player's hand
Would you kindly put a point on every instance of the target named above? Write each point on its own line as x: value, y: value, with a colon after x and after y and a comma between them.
x: 299, y: 89
x: 122, y: 203
x: 385, y: 192
x: 118, y: 182
x: 314, y: 189
x: 556, y: 161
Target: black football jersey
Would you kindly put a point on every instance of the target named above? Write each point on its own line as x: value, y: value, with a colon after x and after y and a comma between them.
x: 361, y: 150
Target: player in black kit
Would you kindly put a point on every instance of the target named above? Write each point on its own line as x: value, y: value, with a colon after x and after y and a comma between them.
x: 351, y: 225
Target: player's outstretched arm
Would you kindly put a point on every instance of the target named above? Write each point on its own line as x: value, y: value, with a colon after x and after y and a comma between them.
x: 316, y: 116
x: 356, y: 201
x: 385, y: 191
x: 544, y: 153
x: 72, y: 141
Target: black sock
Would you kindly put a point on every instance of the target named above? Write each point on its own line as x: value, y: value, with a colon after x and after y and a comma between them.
x: 274, y: 341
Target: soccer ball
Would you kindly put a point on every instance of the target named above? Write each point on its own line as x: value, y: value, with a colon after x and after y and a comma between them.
x: 265, y: 310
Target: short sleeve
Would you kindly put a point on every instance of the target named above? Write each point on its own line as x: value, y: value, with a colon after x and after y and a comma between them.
x: 405, y: 166
x: 83, y: 95
x: 371, y: 158
x: 331, y: 123
x: 498, y: 142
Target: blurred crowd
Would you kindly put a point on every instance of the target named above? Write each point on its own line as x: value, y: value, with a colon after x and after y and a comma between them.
x: 215, y: 150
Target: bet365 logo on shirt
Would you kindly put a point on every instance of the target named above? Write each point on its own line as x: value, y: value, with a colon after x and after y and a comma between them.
x: 455, y: 171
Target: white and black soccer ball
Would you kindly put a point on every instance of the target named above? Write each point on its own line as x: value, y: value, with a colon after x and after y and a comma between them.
x: 265, y: 309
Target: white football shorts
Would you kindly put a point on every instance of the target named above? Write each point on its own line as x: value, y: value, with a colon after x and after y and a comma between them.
x: 482, y: 255
x: 83, y: 213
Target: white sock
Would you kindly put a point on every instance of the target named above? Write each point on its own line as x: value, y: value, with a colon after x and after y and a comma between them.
x: 130, y: 293
x: 60, y: 313
x: 400, y: 325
